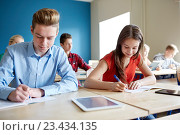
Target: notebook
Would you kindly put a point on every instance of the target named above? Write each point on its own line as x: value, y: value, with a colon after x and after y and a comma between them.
x: 7, y: 104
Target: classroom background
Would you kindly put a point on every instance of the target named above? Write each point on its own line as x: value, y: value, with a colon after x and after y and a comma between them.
x: 16, y: 18
x: 159, y: 21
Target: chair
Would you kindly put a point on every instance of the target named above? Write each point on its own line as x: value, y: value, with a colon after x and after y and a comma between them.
x: 93, y: 63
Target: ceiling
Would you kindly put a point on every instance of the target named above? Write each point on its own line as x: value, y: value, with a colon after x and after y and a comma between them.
x: 85, y: 0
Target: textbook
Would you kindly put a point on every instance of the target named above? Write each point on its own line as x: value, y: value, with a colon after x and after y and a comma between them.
x: 7, y: 104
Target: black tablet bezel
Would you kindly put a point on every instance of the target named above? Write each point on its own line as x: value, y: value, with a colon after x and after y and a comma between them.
x: 164, y: 91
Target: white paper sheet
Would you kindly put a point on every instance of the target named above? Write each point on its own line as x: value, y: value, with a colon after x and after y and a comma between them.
x: 6, y: 104
x: 141, y: 89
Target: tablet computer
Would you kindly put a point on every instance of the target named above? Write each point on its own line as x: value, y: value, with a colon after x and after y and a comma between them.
x: 168, y: 92
x: 96, y: 103
x: 155, y: 64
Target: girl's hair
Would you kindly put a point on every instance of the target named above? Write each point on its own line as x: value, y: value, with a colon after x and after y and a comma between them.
x: 46, y: 17
x: 129, y: 31
x: 11, y: 40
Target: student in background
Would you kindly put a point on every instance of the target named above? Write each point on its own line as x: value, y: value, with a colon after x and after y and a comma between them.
x: 14, y: 40
x: 146, y: 50
x: 74, y: 59
x: 167, y: 57
x: 36, y: 63
x: 122, y: 62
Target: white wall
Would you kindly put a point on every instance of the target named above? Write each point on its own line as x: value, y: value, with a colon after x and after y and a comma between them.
x: 102, y: 10
x: 159, y: 21
x: 162, y: 25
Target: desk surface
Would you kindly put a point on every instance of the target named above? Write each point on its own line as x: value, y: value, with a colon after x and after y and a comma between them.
x: 80, y: 75
x: 168, y: 81
x: 147, y: 100
x: 64, y: 109
x: 161, y: 72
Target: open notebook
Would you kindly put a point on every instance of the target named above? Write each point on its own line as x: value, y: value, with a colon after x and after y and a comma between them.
x: 6, y: 104
x: 141, y: 89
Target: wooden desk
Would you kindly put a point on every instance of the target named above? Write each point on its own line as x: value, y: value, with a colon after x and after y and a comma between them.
x: 168, y: 81
x: 80, y: 75
x: 147, y: 100
x: 64, y: 109
x: 161, y: 72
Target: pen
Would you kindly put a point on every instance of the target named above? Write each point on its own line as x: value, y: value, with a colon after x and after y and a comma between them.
x: 119, y: 80
x: 22, y: 83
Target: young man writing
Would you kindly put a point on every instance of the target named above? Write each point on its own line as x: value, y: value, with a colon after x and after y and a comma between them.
x: 36, y: 63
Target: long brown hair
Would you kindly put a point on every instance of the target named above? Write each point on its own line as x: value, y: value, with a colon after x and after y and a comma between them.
x: 129, y: 31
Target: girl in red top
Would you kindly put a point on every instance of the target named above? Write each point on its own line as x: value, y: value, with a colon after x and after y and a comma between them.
x: 122, y: 62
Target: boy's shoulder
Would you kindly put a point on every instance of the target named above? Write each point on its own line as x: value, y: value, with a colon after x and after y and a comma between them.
x: 159, y: 56
x: 73, y: 54
x: 18, y: 46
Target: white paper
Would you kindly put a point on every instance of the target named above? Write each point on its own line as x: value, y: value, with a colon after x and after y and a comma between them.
x: 141, y: 89
x: 6, y: 104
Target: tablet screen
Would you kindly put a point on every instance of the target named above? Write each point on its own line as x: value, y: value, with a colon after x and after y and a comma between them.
x: 169, y: 92
x: 96, y: 103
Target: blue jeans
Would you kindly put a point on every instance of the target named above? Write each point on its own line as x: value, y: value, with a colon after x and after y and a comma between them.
x: 149, y: 117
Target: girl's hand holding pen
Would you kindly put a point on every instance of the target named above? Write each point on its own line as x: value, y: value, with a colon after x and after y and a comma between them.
x: 118, y: 86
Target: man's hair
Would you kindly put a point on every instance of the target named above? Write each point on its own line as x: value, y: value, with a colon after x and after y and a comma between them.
x: 46, y: 17
x: 64, y: 36
x: 172, y: 47
x: 13, y: 38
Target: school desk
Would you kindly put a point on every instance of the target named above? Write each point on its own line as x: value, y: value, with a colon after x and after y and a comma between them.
x: 161, y: 72
x: 147, y: 100
x: 170, y: 117
x: 64, y: 109
x: 171, y: 72
x: 168, y: 81
x: 80, y: 75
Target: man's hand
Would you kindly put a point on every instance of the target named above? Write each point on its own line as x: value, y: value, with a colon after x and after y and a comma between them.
x: 36, y: 92
x: 20, y: 94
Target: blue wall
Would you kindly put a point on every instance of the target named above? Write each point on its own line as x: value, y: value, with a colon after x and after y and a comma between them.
x: 16, y: 18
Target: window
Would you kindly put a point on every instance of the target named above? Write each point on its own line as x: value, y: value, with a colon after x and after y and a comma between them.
x: 109, y: 32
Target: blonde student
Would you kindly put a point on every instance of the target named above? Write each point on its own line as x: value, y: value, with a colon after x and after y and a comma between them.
x: 146, y: 50
x: 167, y: 57
x: 13, y: 40
x: 122, y: 62
x: 33, y: 65
x: 16, y: 39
